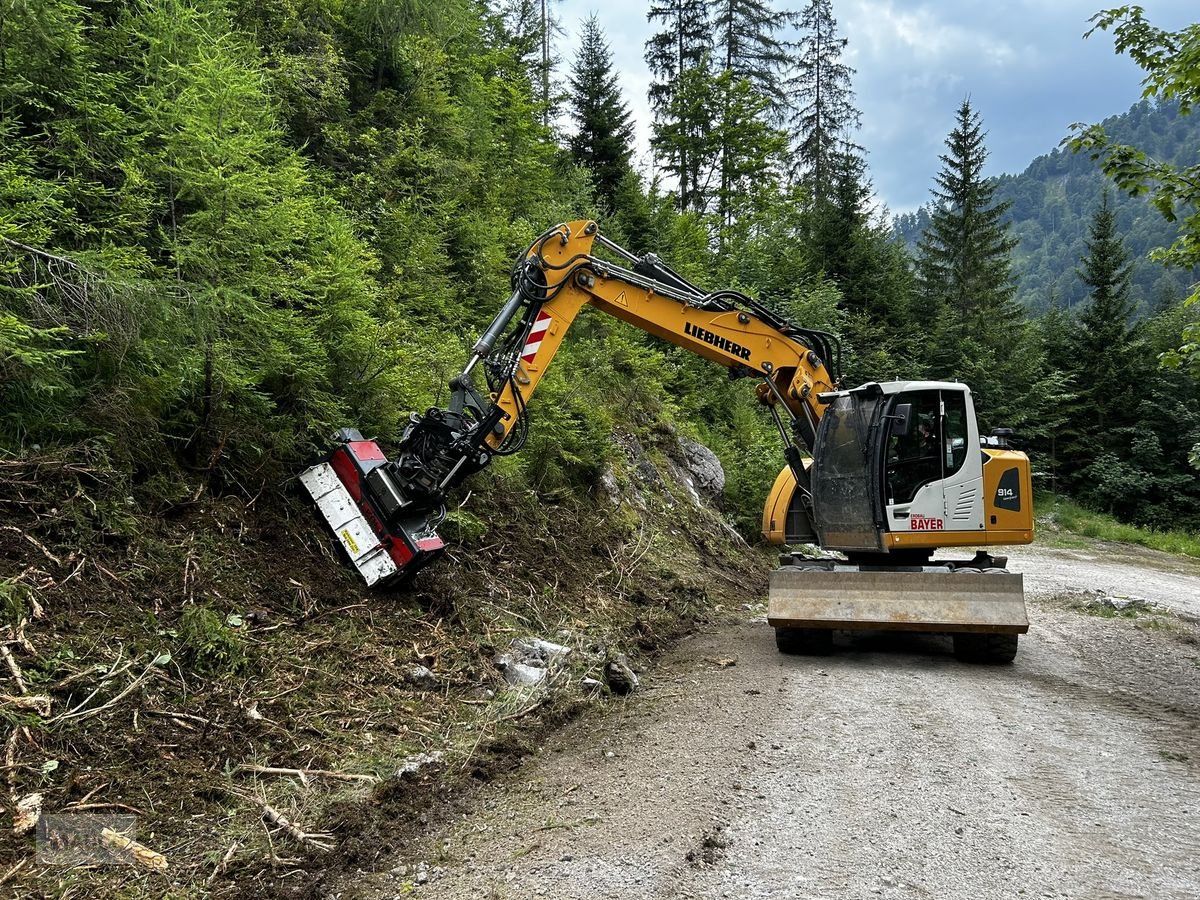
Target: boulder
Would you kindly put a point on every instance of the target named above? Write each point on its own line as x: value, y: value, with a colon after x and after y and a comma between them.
x: 703, y: 466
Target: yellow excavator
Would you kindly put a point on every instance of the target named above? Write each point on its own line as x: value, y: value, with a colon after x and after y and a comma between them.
x: 877, y: 478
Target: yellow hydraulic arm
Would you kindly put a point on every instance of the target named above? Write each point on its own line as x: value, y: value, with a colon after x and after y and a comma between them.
x: 560, y: 275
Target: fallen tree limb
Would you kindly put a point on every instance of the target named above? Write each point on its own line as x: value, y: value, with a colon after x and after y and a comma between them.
x: 138, y: 853
x: 80, y: 712
x: 50, y: 556
x: 30, y: 703
x: 13, y: 669
x: 220, y: 867
x: 184, y: 719
x: 319, y: 840
x: 304, y: 774
x: 13, y: 871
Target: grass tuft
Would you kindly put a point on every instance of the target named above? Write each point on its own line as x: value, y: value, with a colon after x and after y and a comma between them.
x: 1058, y: 515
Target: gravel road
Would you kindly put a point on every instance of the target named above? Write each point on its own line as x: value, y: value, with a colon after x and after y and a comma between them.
x: 887, y: 770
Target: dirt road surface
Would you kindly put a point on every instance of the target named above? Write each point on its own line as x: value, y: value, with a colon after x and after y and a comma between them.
x: 887, y: 770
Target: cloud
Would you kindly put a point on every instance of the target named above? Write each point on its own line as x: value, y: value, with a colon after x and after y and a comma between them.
x: 1023, y: 63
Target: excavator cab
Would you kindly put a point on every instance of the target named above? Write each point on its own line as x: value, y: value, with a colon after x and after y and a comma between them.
x: 899, y: 468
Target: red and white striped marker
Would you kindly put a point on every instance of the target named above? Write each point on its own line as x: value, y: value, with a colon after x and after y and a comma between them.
x: 536, y: 333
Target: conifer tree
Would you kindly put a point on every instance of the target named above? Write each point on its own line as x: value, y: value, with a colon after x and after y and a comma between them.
x: 749, y: 59
x: 975, y: 330
x: 964, y: 264
x: 821, y: 97
x: 747, y: 47
x: 604, y: 127
x: 678, y: 59
x: 1102, y: 346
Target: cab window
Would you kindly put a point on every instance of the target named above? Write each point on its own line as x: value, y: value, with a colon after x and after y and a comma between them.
x: 955, y: 437
x: 915, y: 459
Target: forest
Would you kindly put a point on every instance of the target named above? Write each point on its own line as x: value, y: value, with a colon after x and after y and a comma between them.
x: 1052, y: 201
x: 229, y: 227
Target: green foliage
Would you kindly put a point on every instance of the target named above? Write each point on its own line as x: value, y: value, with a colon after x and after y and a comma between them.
x: 227, y: 227
x: 604, y: 128
x: 1062, y: 514
x: 14, y: 600
x: 209, y: 645
x: 821, y: 98
x: 1171, y: 61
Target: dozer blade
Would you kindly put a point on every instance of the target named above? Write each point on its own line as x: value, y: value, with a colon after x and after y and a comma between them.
x: 933, y: 600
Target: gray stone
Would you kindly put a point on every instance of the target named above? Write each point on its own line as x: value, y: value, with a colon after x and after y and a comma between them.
x: 610, y: 488
x: 520, y: 674
x: 532, y: 650
x: 413, y: 764
x: 703, y: 466
x: 421, y: 677
x: 620, y: 678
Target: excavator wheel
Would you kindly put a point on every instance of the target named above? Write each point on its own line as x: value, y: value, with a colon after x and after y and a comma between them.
x: 995, y: 649
x: 804, y: 641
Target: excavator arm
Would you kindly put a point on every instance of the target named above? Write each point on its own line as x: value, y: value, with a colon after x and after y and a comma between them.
x: 553, y: 281
x: 403, y: 500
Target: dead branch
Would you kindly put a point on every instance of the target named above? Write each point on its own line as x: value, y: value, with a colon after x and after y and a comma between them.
x: 10, y: 763
x: 7, y: 876
x: 30, y: 703
x: 183, y: 718
x: 139, y: 853
x: 317, y: 839
x: 83, y: 807
x: 305, y: 774
x: 50, y: 556
x: 78, y: 676
x: 18, y: 637
x: 80, y: 712
x: 13, y: 668
x: 220, y: 867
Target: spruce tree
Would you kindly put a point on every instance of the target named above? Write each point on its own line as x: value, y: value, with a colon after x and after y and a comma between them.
x: 975, y: 330
x: 747, y: 52
x: 1102, y: 349
x: 747, y: 47
x: 964, y: 263
x: 821, y: 97
x: 684, y: 142
x: 678, y: 60
x: 604, y: 127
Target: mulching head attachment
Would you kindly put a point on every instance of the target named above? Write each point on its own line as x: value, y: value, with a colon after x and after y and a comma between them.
x: 387, y: 534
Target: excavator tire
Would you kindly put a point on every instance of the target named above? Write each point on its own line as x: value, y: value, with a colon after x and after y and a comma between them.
x: 993, y: 649
x: 804, y: 641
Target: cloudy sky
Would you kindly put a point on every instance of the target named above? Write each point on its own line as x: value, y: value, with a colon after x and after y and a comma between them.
x: 1024, y: 64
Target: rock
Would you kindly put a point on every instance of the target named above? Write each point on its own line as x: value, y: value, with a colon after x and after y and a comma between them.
x: 619, y: 677
x: 704, y: 467
x: 591, y: 685
x: 536, y: 649
x: 518, y: 674
x: 647, y: 471
x: 421, y: 677
x: 612, y: 490
x: 413, y: 764
x: 529, y: 660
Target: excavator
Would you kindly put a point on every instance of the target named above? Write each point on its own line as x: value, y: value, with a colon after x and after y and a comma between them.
x: 876, y: 479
